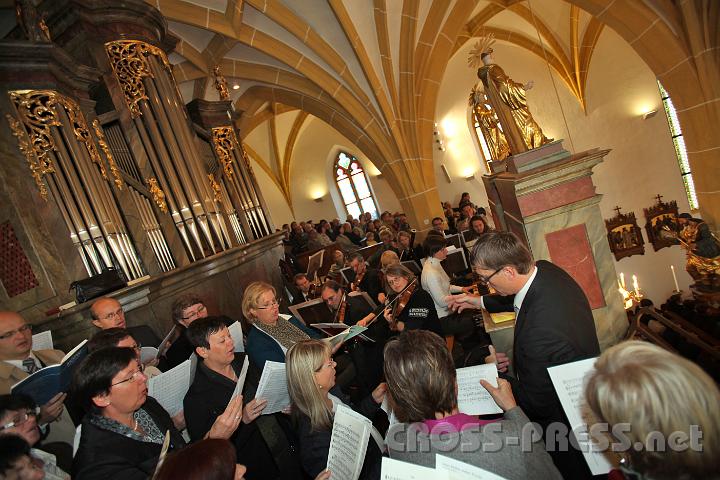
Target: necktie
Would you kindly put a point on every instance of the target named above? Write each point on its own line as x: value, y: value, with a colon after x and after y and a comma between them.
x: 30, y: 366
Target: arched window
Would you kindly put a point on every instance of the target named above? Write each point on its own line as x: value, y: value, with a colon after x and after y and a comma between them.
x: 353, y: 185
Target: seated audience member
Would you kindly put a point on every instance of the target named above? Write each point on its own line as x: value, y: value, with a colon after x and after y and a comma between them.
x: 119, y: 337
x: 370, y: 238
x: 16, y: 462
x: 298, y: 238
x: 210, y: 459
x: 215, y: 379
x: 304, y: 289
x: 438, y: 226
x: 464, y: 200
x: 314, y: 241
x: 407, y: 251
x: 417, y: 311
x: 462, y: 225
x: 18, y: 360
x: 387, y: 220
x: 477, y: 227
x: 387, y: 243
x: 366, y: 279
x: 401, y: 223
x: 124, y: 429
x: 343, y: 240
x: 185, y: 310
x: 270, y: 335
x: 107, y: 312
x: 660, y: 395
x: 422, y: 390
x: 324, y: 233
x: 311, y: 384
x: 467, y: 211
x: 337, y: 265
x: 18, y: 416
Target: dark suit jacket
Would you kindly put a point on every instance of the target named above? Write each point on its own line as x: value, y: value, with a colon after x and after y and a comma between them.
x: 555, y: 326
x: 106, y: 455
x: 144, y: 335
x: 371, y: 283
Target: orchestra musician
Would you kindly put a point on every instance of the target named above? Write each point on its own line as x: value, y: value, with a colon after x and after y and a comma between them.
x: 410, y: 307
x: 306, y: 290
x: 366, y: 279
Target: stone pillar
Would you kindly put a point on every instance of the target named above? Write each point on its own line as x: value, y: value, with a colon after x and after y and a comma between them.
x: 547, y: 198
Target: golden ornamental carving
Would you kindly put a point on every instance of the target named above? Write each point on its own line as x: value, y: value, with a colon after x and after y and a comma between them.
x: 38, y: 168
x: 128, y: 59
x: 158, y: 194
x: 215, y: 186
x: 221, y: 84
x: 224, y: 141
x: 108, y: 154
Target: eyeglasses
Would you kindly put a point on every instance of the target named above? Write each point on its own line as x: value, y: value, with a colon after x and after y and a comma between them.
x: 132, y: 378
x: 25, y: 328
x: 20, y: 419
x: 272, y: 304
x: 395, y: 280
x: 112, y: 315
x: 330, y: 364
x: 485, y: 281
x: 191, y: 315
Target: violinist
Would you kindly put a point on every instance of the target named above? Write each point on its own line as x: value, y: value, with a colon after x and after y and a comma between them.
x: 366, y: 279
x: 306, y: 290
x: 410, y: 307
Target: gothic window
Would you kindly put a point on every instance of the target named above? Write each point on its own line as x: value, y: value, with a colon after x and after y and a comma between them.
x: 680, y: 151
x: 353, y: 185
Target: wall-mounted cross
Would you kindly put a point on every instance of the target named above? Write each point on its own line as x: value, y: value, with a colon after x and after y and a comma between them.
x: 617, y: 209
x: 658, y: 197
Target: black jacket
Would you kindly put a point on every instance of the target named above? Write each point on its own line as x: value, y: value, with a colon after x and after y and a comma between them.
x: 106, y: 455
x: 181, y: 348
x: 315, y: 445
x: 420, y: 313
x: 208, y: 397
x: 372, y: 283
x: 144, y: 335
x: 555, y: 326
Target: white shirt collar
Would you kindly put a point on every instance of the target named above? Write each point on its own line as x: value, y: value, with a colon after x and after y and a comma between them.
x: 520, y: 295
x: 19, y: 363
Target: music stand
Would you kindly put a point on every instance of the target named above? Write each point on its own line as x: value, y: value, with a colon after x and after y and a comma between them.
x: 365, y: 297
x: 412, y: 266
x: 453, y: 240
x: 468, y: 236
x: 455, y: 262
x: 314, y: 263
x: 348, y: 275
x: 312, y: 311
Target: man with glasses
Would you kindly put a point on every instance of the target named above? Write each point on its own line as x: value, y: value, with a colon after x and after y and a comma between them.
x: 107, y: 313
x: 554, y: 325
x: 18, y: 360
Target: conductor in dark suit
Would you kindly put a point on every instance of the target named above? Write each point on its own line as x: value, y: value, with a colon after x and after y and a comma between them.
x: 554, y: 325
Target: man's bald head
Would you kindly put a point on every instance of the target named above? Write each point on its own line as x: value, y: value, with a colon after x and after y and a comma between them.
x: 15, y: 336
x: 106, y: 313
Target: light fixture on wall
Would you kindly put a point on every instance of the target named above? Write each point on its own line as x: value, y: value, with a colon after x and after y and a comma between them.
x: 470, y: 177
x: 438, y: 138
x: 318, y: 199
x: 444, y: 170
x: 649, y: 114
x: 236, y: 87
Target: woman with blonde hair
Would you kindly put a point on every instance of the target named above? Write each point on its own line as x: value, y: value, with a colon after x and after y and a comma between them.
x: 271, y: 334
x: 311, y: 384
x: 672, y: 408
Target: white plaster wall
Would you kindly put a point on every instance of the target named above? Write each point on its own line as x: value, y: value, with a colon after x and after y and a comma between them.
x: 642, y: 160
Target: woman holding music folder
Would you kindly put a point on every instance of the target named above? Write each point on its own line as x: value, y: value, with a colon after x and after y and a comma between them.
x: 311, y: 384
x: 123, y: 430
x: 422, y: 392
x: 219, y: 372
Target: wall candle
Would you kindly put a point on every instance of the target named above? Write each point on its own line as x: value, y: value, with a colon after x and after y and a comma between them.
x: 635, y: 284
x: 622, y: 280
x: 672, y: 269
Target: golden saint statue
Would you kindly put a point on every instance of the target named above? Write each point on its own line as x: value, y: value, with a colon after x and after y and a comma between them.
x: 489, y: 125
x: 508, y: 100
x: 702, y: 249
x: 221, y: 84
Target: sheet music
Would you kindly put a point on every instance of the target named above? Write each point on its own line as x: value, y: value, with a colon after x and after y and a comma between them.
x: 348, y: 444
x: 569, y: 381
x: 273, y: 387
x: 237, y: 335
x: 473, y: 399
x: 392, y: 469
x: 42, y: 341
x: 241, y: 379
x: 169, y: 388
x: 457, y: 470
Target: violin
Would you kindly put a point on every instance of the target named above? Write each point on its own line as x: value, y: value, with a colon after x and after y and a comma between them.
x: 340, y: 312
x: 355, y: 285
x: 391, y: 302
x: 401, y: 300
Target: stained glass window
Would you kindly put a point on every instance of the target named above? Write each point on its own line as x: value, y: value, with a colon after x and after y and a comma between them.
x: 679, y: 143
x: 353, y: 185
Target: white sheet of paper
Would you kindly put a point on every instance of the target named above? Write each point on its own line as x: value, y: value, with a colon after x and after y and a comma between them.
x: 348, y: 443
x: 473, y: 399
x: 273, y: 387
x: 392, y: 469
x: 385, y: 406
x: 169, y: 388
x: 241, y: 379
x: 569, y: 381
x: 457, y: 470
x: 237, y: 335
x: 42, y: 341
